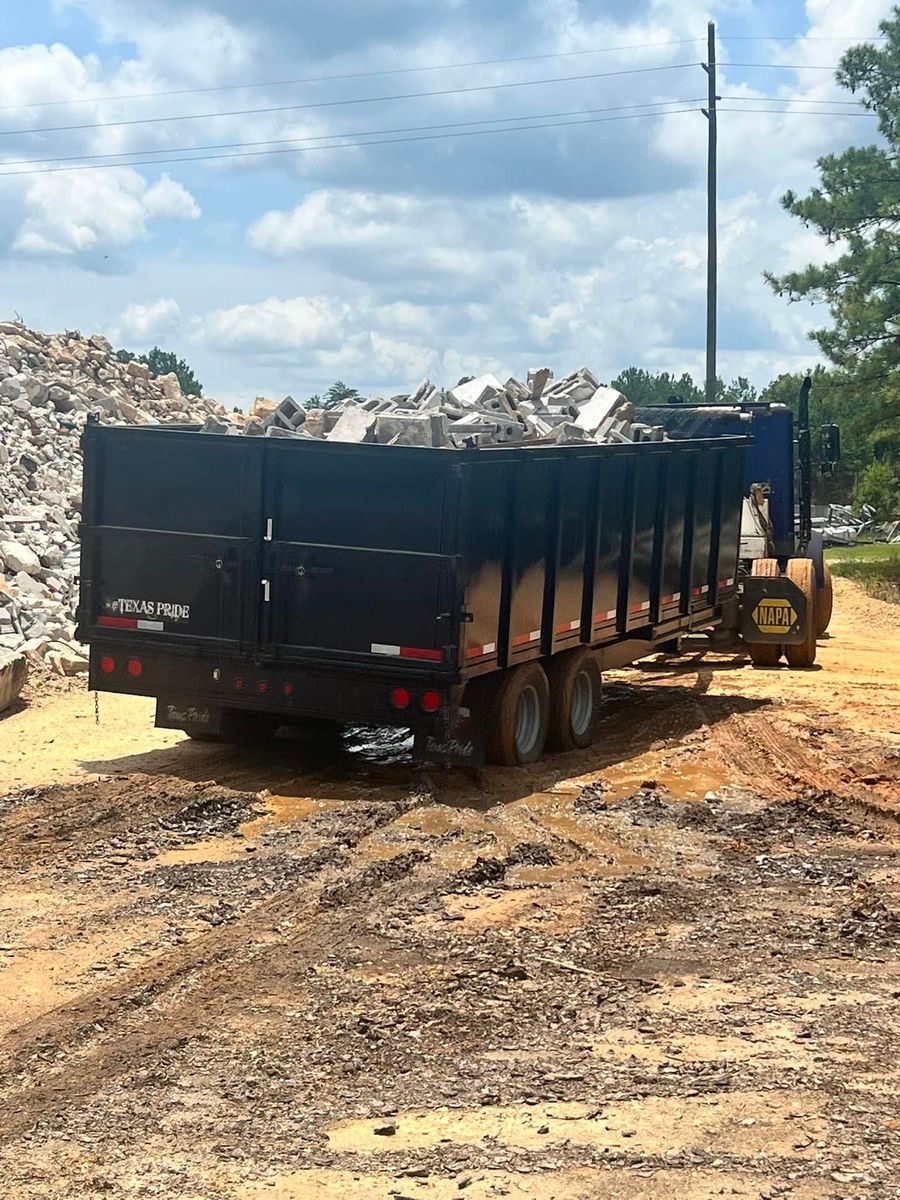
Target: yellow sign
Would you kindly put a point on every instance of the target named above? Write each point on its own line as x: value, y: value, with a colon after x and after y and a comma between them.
x: 774, y: 616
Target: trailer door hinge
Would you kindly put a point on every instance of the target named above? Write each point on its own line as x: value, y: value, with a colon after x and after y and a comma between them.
x: 267, y: 589
x: 269, y: 530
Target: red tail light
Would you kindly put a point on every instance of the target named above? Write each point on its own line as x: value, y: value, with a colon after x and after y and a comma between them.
x: 239, y: 685
x: 263, y: 686
x: 135, y: 668
x: 107, y: 664
x: 400, y: 698
x: 288, y: 689
x: 431, y: 701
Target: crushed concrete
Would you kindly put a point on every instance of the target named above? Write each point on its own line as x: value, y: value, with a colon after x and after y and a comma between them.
x: 480, y: 411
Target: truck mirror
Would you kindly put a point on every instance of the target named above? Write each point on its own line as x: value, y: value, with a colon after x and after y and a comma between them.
x: 831, y: 444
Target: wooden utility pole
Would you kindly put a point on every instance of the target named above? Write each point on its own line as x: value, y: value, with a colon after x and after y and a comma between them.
x: 712, y: 282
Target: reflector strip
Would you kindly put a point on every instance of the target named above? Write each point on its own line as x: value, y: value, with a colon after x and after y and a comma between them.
x: 671, y: 599
x: 644, y: 606
x: 699, y: 591
x: 480, y: 651
x: 607, y: 616
x: 724, y: 583
x: 568, y: 626
x: 407, y: 652
x: 523, y: 639
x: 130, y: 623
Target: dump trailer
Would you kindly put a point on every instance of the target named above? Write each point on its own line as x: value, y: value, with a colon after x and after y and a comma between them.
x: 472, y: 596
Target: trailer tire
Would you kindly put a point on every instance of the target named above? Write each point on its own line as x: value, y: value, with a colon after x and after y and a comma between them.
x: 765, y: 654
x: 518, y: 717
x: 574, y: 680
x: 802, y: 571
x: 824, y: 601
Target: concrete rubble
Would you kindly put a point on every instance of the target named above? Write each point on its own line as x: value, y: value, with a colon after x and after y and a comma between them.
x: 476, y: 412
x: 50, y: 383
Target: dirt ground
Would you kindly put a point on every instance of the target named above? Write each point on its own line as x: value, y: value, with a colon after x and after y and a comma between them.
x: 667, y: 968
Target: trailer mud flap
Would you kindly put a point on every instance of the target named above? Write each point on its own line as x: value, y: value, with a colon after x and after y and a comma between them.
x: 772, y: 610
x: 460, y: 744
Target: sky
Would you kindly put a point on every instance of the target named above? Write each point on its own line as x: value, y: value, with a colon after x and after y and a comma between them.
x: 295, y: 192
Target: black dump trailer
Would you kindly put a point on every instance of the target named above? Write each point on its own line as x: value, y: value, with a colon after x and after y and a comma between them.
x: 472, y: 596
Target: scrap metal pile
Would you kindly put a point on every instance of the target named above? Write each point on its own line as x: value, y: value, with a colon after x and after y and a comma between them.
x: 477, y: 412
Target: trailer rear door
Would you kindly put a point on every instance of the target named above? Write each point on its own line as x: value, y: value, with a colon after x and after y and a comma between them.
x: 353, y: 560
x: 170, y: 535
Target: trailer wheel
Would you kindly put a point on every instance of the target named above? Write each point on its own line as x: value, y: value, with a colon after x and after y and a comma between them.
x: 824, y: 601
x: 574, y: 691
x: 802, y: 571
x: 765, y: 654
x: 519, y: 716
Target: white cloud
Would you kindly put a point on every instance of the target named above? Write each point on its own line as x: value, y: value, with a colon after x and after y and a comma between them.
x: 274, y: 324
x: 145, y: 321
x: 91, y: 212
x: 168, y: 200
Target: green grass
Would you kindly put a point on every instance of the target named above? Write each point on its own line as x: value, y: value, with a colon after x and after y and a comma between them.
x: 876, y: 566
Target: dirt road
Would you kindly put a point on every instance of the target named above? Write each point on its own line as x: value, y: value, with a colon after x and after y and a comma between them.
x: 666, y: 967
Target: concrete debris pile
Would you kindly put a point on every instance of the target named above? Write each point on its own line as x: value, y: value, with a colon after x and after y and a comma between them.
x: 49, y: 383
x: 477, y: 412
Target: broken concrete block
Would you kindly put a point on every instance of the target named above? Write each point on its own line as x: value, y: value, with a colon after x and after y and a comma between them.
x: 470, y: 394
x: 13, y: 673
x: 412, y: 429
x: 355, y: 424
x: 604, y: 402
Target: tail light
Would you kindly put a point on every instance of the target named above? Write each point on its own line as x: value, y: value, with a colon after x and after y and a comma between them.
x: 239, y: 685
x: 400, y: 698
x: 431, y: 701
x: 288, y: 689
x: 107, y: 664
x: 135, y: 668
x: 263, y: 686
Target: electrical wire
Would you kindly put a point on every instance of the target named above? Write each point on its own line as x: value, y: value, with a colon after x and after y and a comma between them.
x: 272, y: 83
x: 459, y: 66
x: 798, y: 112
x: 244, y: 112
x: 320, y: 137
x: 346, y: 145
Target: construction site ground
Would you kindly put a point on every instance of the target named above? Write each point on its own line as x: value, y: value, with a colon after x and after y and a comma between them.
x: 664, y: 968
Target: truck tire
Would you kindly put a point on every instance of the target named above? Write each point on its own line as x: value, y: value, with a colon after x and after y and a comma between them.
x: 765, y: 654
x: 574, y: 680
x: 518, y: 717
x: 824, y: 601
x: 802, y: 571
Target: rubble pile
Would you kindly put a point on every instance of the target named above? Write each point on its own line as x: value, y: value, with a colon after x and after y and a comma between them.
x: 477, y: 412
x: 49, y: 383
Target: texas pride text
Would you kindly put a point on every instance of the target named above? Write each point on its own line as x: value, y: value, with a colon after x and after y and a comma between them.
x: 149, y: 608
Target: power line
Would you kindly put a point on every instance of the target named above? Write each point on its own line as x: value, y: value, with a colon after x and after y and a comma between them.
x: 244, y: 112
x: 347, y: 145
x: 272, y: 83
x: 799, y: 112
x: 485, y: 62
x: 320, y: 137
x: 787, y: 100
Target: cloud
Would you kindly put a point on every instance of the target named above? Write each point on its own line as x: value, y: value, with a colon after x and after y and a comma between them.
x: 146, y: 321
x: 274, y: 324
x: 90, y: 213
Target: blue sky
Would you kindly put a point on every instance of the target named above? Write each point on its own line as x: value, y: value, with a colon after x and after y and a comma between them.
x: 378, y: 264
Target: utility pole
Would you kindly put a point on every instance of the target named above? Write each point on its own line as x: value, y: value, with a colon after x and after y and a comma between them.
x: 712, y: 250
